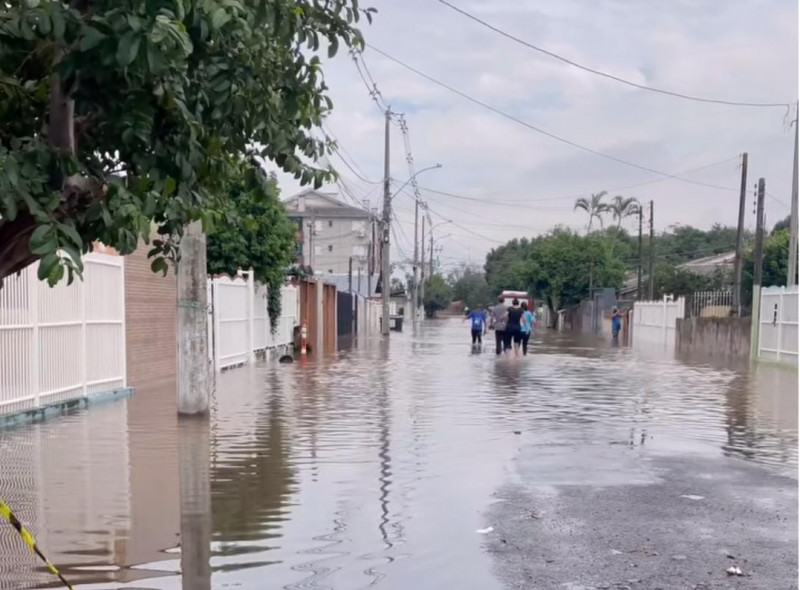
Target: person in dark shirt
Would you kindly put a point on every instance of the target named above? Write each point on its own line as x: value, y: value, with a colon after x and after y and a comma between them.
x: 514, y: 327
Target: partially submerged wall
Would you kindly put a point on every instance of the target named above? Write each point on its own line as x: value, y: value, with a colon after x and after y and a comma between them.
x: 710, y: 337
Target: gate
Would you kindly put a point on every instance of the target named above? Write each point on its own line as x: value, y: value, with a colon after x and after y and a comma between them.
x: 345, y: 320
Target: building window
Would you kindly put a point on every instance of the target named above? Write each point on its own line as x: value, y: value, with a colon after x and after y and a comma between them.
x: 330, y: 223
x: 330, y: 248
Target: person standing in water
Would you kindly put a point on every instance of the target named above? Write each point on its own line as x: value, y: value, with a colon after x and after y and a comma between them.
x: 477, y: 319
x: 527, y: 323
x: 498, y: 323
x: 514, y: 327
x: 616, y: 323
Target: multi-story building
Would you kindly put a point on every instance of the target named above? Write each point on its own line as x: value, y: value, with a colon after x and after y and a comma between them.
x: 331, y: 233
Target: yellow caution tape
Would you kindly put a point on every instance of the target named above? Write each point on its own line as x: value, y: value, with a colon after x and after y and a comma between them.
x: 6, y: 513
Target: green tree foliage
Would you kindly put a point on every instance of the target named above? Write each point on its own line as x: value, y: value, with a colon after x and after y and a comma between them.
x: 784, y: 223
x: 117, y: 114
x: 470, y: 286
x: 594, y: 207
x: 669, y: 279
x: 557, y: 267
x: 256, y: 233
x: 774, y: 265
x: 685, y: 243
x: 438, y: 295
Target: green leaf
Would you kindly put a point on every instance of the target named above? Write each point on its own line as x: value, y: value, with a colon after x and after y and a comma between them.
x: 169, y: 186
x: 71, y: 233
x: 333, y: 46
x: 159, y: 265
x: 59, y: 25
x: 128, y: 48
x: 90, y: 39
x: 46, y: 266
x: 43, y: 240
x: 219, y: 18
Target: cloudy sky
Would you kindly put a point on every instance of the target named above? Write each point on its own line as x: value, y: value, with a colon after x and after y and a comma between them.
x: 519, y: 182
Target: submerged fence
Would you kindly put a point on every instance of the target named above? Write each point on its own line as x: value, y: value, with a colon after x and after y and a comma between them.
x: 238, y: 323
x: 778, y: 329
x: 654, y: 322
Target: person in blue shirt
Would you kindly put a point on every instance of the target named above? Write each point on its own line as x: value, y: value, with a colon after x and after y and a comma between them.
x: 526, y: 324
x: 616, y: 323
x: 477, y: 320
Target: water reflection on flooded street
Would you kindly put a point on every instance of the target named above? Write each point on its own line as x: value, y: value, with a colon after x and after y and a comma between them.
x: 376, y: 468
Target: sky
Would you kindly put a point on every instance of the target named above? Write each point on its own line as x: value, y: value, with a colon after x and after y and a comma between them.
x: 520, y: 182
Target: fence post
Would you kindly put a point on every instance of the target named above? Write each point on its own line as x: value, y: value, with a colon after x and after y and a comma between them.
x: 251, y: 332
x: 33, y: 283
x: 217, y: 333
x: 664, y: 319
x: 84, y: 337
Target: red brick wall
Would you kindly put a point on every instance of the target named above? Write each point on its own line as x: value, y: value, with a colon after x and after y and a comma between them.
x: 150, y: 322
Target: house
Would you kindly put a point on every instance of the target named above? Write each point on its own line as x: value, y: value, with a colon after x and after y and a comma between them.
x: 710, y: 264
x: 332, y: 235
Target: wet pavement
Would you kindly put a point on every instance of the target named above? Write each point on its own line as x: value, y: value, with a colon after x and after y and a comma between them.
x: 415, y: 464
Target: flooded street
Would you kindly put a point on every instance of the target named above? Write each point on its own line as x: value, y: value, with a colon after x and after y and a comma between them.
x: 414, y: 464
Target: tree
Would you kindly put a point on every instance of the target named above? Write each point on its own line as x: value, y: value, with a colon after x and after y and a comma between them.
x: 774, y: 267
x: 784, y: 223
x: 594, y: 207
x: 470, y: 286
x: 669, y: 279
x: 257, y: 233
x: 623, y: 207
x: 438, y: 295
x: 114, y: 115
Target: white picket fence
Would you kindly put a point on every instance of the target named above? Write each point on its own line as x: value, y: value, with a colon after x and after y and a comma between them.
x: 778, y: 330
x: 64, y: 342
x: 238, y: 324
x: 654, y: 322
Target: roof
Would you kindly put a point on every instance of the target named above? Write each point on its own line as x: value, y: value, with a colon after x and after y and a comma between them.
x: 324, y: 205
x: 709, y: 264
x: 342, y: 282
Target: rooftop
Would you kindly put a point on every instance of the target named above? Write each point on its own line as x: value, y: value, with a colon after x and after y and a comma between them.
x: 325, y: 205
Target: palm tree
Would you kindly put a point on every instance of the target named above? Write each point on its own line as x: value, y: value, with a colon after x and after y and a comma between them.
x: 594, y: 207
x: 623, y: 207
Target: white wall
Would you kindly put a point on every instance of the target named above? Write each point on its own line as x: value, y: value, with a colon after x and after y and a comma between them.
x: 654, y: 322
x: 239, y: 326
x: 64, y: 342
x: 777, y: 337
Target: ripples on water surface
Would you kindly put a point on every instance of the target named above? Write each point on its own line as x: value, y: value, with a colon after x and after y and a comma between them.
x: 370, y: 469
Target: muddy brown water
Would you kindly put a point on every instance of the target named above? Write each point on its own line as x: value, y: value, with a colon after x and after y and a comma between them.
x: 373, y: 468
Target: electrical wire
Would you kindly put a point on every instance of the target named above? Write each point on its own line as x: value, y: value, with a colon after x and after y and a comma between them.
x: 355, y: 168
x: 611, y: 76
x: 542, y: 131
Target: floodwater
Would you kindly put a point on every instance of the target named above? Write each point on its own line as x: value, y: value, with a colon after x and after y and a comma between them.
x: 373, y: 469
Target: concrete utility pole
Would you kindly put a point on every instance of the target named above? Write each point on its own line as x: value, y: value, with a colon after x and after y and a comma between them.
x: 791, y: 275
x: 415, y: 286
x: 758, y: 257
x: 387, y: 217
x: 350, y: 275
x: 739, y: 260
x: 641, y: 260
x: 194, y: 379
x: 652, y: 256
x: 422, y: 264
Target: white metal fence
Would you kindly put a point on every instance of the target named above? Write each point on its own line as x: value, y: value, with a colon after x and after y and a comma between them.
x: 239, y: 325
x: 711, y: 303
x: 64, y: 342
x: 654, y: 322
x: 778, y: 332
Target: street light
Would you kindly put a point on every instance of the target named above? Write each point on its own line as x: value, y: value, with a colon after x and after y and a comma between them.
x: 411, y: 179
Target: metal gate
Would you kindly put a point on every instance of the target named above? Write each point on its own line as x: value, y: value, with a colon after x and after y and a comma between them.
x: 345, y: 320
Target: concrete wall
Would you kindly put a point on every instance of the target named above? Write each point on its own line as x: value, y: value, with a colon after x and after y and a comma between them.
x: 150, y: 322
x: 718, y: 338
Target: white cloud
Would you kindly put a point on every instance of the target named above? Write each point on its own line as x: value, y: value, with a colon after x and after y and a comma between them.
x: 745, y: 50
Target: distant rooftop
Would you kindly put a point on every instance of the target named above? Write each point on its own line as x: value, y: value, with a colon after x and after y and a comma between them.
x: 325, y: 204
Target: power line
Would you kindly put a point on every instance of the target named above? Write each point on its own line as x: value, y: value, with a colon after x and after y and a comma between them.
x: 611, y: 76
x: 540, y: 130
x: 355, y: 168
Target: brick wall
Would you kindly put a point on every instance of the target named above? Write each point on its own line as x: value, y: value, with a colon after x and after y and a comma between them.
x: 150, y: 323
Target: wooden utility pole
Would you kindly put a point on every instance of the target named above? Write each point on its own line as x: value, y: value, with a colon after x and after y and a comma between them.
x: 350, y: 275
x: 194, y: 378
x: 386, y: 230
x: 652, y: 257
x: 758, y: 256
x: 641, y: 260
x: 415, y: 286
x: 739, y: 260
x: 791, y: 275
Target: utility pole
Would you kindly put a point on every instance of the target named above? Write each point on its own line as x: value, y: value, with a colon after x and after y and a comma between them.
x: 422, y: 263
x: 758, y: 256
x: 194, y: 379
x: 652, y: 257
x: 739, y: 260
x: 641, y: 260
x: 415, y: 286
x: 387, y: 216
x: 350, y: 275
x: 791, y: 275
x: 431, y: 266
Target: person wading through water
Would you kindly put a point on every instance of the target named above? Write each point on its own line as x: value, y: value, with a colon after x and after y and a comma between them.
x: 498, y: 323
x: 514, y: 327
x: 528, y: 323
